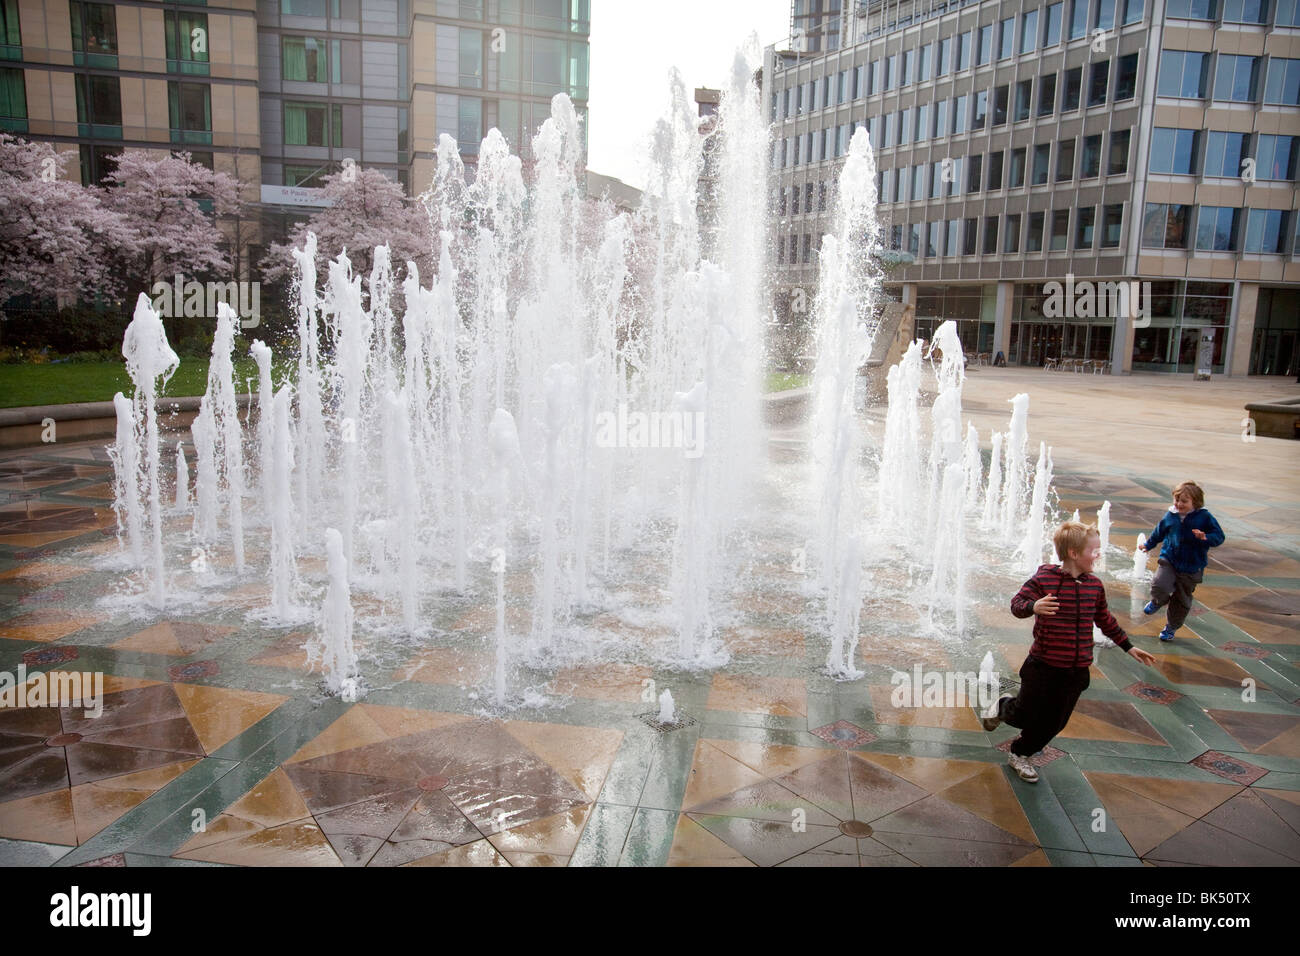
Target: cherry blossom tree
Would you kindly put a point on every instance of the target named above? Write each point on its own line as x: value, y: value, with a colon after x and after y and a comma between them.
x: 53, y: 231
x: 367, y: 209
x: 158, y: 197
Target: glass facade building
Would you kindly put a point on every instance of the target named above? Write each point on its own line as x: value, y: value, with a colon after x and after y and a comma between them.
x: 1025, y: 142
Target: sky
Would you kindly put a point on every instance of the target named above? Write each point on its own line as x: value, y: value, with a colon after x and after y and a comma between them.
x: 634, y: 45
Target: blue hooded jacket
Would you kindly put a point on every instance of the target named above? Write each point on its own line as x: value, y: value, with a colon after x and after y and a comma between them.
x: 1182, y: 549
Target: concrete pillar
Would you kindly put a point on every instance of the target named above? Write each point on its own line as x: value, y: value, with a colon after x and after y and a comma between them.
x: 1241, y: 332
x: 1121, y: 345
x: 1002, y: 319
x: 909, y: 294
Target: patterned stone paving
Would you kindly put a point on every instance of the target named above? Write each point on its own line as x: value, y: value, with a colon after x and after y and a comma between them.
x: 215, y: 746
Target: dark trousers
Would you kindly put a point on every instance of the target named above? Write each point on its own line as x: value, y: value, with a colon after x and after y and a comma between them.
x: 1175, y: 589
x: 1043, y: 707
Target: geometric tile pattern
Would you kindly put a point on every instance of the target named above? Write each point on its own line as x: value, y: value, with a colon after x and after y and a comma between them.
x: 1195, y: 761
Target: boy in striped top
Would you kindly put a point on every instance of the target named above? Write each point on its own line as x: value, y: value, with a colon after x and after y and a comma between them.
x: 1066, y: 600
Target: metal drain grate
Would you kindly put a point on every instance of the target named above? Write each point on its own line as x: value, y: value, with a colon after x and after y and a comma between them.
x: 651, y: 720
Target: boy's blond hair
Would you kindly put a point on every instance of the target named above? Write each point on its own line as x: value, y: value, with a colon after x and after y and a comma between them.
x: 1193, y: 491
x: 1073, y: 536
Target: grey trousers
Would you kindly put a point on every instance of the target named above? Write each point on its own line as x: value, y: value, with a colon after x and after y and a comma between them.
x: 1170, y: 587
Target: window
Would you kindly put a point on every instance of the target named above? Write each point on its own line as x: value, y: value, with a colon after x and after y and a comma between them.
x: 892, y: 76
x: 984, y: 44
x: 13, y: 101
x: 1006, y: 38
x: 951, y: 242
x: 1073, y: 87
x: 1104, y: 19
x: 807, y: 197
x: 11, y: 38
x: 189, y: 108
x: 309, y: 124
x: 471, y: 58
x: 1000, y: 96
x: 1042, y: 157
x: 1164, y: 226
x: 1097, y: 81
x: 1132, y: 11
x: 932, y: 238
x: 904, y: 126
x: 923, y: 122
x: 909, y: 63
x: 311, y: 177
x: 1174, y: 151
x: 923, y: 63
x: 1190, y: 9
x: 1283, y: 85
x: 968, y: 237
x: 944, y: 61
x: 1078, y: 18
x: 877, y: 77
x: 1126, y: 71
x: 1065, y: 160
x: 995, y: 171
x: 795, y: 193
x: 807, y: 248
x: 99, y: 104
x: 1235, y: 78
x: 1288, y: 13
x: 1084, y: 220
x: 96, y: 163
x: 1216, y: 228
x: 1052, y: 25
x: 959, y: 114
x: 1090, y: 161
x: 1034, y: 234
x: 974, y: 165
x: 1047, y: 95
x: 914, y: 238
x: 990, y: 235
x: 981, y: 110
x: 1060, y: 228
x: 1266, y: 231
x: 941, y: 118
x: 963, y: 51
x: 94, y: 34
x: 303, y: 8
x: 1024, y: 100
x: 1011, y: 235
x: 1016, y: 176
x: 303, y: 59
x: 859, y: 81
x: 896, y: 237
x: 1182, y: 73
x: 1112, y: 225
x: 1276, y: 157
x: 1029, y: 31
x: 186, y: 41
x: 1244, y: 11
x: 1224, y: 153
x: 1117, y: 165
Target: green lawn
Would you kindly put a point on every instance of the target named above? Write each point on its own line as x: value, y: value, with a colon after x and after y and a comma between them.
x: 780, y: 381
x: 65, y: 382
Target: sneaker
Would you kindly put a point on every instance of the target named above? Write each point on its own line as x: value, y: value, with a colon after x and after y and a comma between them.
x: 1167, y: 634
x: 1151, y: 608
x: 1024, y: 768
x: 991, y: 719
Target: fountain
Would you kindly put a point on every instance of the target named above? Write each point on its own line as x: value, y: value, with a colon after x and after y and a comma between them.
x: 1103, y: 530
x: 442, y: 440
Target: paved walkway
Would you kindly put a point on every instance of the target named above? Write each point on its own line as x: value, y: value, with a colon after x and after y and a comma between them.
x: 211, y: 718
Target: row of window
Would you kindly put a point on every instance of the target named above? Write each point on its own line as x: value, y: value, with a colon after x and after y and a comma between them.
x: 975, y: 47
x: 1216, y: 228
x: 1193, y: 152
x: 566, y: 16
x: 1186, y: 74
x: 1164, y: 226
x: 967, y: 113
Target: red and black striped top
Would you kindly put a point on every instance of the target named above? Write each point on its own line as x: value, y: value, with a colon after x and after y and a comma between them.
x: 1065, y: 638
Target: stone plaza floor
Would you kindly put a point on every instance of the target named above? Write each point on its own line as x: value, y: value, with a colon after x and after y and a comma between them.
x: 209, y: 718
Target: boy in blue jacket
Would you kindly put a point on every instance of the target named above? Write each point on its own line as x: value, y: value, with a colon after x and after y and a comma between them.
x: 1188, y: 532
